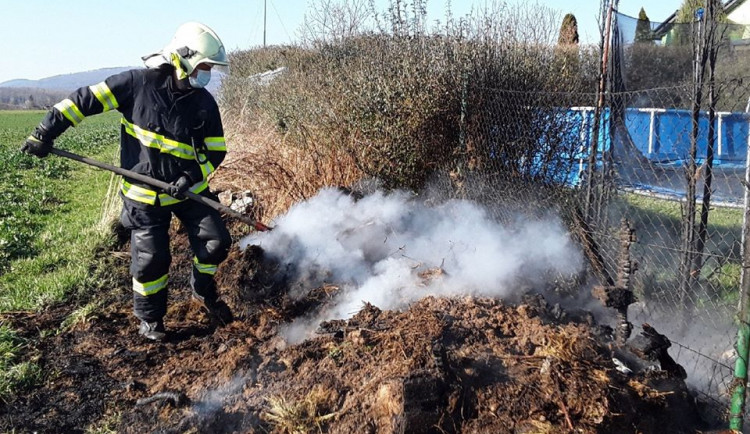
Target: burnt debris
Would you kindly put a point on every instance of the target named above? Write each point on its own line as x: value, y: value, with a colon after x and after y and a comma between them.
x: 620, y: 295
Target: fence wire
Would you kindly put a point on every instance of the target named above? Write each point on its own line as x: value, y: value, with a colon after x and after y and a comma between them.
x: 535, y: 149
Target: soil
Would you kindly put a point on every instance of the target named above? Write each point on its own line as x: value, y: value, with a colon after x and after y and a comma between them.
x: 469, y: 365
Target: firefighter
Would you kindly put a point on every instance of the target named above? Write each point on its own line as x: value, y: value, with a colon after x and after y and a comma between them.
x: 170, y: 130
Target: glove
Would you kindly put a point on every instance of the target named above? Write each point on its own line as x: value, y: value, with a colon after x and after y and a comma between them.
x: 36, y: 144
x: 179, y: 186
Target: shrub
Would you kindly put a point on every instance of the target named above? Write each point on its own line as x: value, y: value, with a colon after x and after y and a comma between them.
x: 399, y: 103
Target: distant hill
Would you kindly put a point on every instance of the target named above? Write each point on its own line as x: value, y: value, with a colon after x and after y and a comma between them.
x: 29, y: 98
x: 45, y: 92
x: 67, y: 82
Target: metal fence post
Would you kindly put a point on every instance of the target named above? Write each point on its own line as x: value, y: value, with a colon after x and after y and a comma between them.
x: 737, y: 409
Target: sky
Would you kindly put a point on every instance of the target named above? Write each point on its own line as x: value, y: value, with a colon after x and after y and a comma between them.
x: 42, y: 38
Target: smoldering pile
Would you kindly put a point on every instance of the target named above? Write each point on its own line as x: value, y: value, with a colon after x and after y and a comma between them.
x: 376, y: 247
x: 435, y: 347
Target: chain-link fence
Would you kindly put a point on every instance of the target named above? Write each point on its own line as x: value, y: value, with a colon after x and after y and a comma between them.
x: 669, y: 164
x: 641, y: 177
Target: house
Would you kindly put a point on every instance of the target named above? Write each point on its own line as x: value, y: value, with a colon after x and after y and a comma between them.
x: 738, y: 13
x: 663, y: 32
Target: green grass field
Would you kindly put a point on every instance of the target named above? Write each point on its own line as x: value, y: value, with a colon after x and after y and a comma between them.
x: 51, y: 213
x: 49, y: 209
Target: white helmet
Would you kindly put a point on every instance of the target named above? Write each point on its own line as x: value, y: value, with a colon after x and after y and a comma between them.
x: 192, y: 44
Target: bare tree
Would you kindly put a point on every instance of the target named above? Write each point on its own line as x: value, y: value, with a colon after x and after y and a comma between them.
x: 332, y: 21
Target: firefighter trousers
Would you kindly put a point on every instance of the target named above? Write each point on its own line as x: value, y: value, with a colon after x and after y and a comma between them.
x: 150, y: 253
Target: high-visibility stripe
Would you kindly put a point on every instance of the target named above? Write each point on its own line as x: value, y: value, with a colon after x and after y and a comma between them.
x: 207, y: 168
x: 165, y: 199
x: 105, y: 96
x: 150, y: 288
x: 70, y: 110
x: 148, y: 196
x: 215, y: 143
x: 204, y: 268
x: 158, y: 141
x: 137, y: 193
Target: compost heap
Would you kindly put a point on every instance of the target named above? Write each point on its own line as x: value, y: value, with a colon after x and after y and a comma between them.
x: 429, y: 363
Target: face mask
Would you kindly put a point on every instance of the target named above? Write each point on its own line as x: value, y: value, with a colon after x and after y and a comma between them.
x: 201, y: 79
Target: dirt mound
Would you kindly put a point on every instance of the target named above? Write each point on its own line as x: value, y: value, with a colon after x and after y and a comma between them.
x: 442, y: 365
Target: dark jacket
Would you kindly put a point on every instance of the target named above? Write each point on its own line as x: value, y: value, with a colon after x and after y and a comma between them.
x: 165, y: 132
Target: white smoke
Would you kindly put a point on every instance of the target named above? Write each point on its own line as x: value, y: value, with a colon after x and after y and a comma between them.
x: 375, y: 249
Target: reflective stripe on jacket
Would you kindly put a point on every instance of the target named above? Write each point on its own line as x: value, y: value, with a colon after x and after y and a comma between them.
x: 165, y: 133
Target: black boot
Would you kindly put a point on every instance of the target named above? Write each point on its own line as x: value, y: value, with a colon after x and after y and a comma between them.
x: 216, y: 310
x: 153, y: 330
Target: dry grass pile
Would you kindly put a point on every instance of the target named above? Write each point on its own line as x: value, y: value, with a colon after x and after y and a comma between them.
x: 458, y: 365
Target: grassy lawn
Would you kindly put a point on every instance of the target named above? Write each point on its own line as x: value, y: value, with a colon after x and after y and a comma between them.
x: 657, y: 224
x: 51, y: 213
x: 719, y: 218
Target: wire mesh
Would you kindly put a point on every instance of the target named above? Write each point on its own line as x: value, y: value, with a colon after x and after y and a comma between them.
x: 642, y: 173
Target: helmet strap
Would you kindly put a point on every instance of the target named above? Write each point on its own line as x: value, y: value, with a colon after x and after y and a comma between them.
x: 181, y: 74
